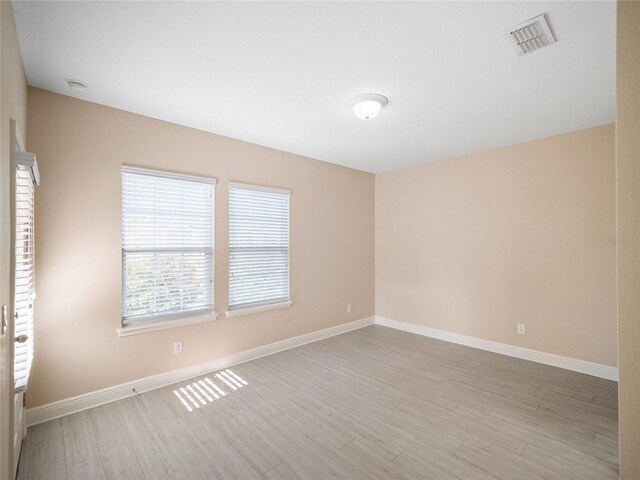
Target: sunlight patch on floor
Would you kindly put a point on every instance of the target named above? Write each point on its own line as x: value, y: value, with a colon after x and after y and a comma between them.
x: 206, y: 391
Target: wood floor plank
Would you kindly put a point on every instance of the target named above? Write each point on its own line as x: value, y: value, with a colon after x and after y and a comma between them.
x: 117, y: 455
x: 23, y: 461
x: 307, y: 462
x: 253, y: 448
x: 228, y: 462
x: 282, y: 471
x: 464, y: 429
x: 333, y: 461
x: 505, y: 466
x: 540, y: 435
x: 433, y: 463
x: 191, y: 455
x: 166, y: 426
x: 608, y: 443
x: 374, y: 465
x: 79, y: 440
x: 571, y: 463
x: 89, y: 469
x: 152, y: 454
x: 47, y: 458
x: 395, y: 432
x: 374, y: 403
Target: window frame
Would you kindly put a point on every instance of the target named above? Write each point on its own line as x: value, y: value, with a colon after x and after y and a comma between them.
x: 26, y: 176
x: 236, y: 311
x: 161, y: 321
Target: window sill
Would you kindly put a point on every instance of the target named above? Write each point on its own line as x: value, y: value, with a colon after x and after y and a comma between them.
x: 261, y: 308
x: 163, y: 325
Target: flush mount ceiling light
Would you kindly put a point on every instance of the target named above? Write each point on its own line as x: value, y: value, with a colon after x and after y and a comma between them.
x: 367, y: 106
x: 76, y: 85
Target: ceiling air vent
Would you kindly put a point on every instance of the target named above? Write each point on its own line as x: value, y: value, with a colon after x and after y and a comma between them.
x: 531, y: 35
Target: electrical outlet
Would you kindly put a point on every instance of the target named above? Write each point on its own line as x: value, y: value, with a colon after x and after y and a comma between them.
x: 522, y: 330
x: 349, y: 308
x: 177, y: 347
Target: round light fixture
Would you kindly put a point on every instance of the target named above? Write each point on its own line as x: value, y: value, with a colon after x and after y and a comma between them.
x: 76, y: 85
x: 368, y: 106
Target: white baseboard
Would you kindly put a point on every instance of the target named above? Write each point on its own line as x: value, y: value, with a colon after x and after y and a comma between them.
x: 573, y: 364
x: 85, y: 401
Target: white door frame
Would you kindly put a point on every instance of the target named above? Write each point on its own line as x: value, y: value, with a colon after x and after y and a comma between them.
x: 20, y: 426
x: 7, y: 292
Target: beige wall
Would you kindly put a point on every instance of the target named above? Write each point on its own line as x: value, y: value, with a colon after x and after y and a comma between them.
x: 476, y: 244
x: 13, y: 105
x: 80, y: 148
x: 628, y: 210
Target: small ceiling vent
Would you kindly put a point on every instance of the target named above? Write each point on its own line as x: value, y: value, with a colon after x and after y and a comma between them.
x: 531, y: 35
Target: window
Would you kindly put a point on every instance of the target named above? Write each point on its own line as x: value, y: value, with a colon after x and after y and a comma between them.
x: 167, y: 246
x: 26, y: 179
x: 258, y: 247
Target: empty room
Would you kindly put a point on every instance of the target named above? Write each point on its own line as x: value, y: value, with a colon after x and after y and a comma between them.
x: 320, y: 240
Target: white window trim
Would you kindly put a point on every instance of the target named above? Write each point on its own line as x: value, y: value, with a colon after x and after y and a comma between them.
x: 182, y: 321
x: 262, y: 308
x: 165, y: 174
x: 260, y: 188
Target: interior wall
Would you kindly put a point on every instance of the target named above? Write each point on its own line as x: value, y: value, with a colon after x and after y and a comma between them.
x: 80, y: 148
x: 13, y: 105
x: 628, y: 235
x: 521, y: 234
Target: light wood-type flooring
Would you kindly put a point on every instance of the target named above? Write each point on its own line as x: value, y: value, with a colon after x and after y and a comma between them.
x: 374, y: 403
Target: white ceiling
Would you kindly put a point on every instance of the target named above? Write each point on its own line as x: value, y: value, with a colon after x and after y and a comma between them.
x: 280, y: 74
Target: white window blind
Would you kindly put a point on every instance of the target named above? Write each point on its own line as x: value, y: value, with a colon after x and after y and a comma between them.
x: 167, y: 245
x: 258, y: 246
x: 24, y: 276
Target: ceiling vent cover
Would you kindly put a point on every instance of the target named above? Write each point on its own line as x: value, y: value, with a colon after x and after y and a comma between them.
x: 531, y: 35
